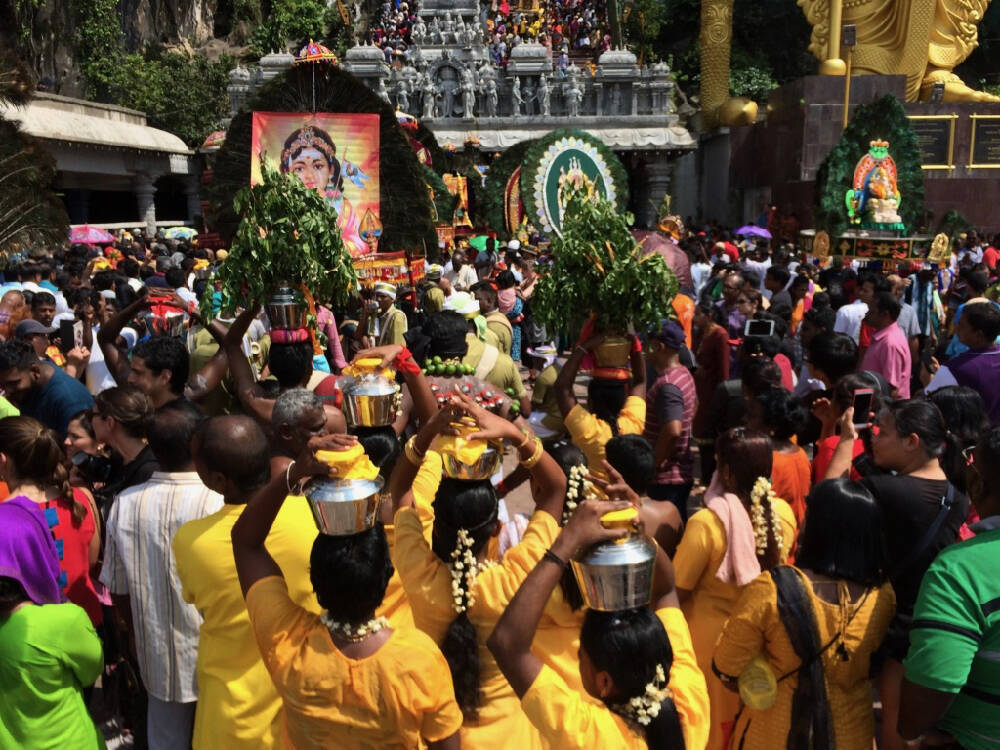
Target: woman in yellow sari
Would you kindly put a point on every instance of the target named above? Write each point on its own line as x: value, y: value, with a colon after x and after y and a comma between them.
x: 643, y: 686
x: 744, y: 530
x: 846, y: 603
x: 456, y: 594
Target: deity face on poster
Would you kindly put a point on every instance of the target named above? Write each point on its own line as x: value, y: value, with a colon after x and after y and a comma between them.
x: 335, y: 155
x: 312, y: 168
x: 310, y: 154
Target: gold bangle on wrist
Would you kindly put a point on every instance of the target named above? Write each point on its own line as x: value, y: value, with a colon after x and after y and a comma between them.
x: 414, y: 456
x: 535, y: 457
x: 527, y: 439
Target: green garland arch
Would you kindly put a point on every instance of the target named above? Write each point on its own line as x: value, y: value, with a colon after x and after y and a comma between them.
x: 490, y: 211
x: 537, y: 149
x: 444, y: 202
x: 405, y: 209
x: 883, y: 118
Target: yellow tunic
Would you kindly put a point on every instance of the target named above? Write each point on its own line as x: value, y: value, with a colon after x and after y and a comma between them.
x: 591, y: 434
x: 238, y: 706
x: 567, y: 718
x: 427, y: 581
x: 695, y: 564
x: 395, y: 698
x: 755, y: 628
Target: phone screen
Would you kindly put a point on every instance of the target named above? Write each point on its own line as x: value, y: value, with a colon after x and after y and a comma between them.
x: 863, y: 398
x: 67, y: 335
x: 759, y: 328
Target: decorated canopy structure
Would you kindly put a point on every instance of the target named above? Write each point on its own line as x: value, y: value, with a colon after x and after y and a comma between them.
x: 405, y: 208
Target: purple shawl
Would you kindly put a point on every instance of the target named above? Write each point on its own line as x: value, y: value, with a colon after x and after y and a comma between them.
x: 28, y: 551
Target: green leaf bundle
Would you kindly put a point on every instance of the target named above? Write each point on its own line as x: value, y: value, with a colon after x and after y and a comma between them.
x: 287, y: 234
x: 598, y: 268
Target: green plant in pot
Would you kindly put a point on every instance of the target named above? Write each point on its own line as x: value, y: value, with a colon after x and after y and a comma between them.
x: 287, y: 246
x: 599, y: 271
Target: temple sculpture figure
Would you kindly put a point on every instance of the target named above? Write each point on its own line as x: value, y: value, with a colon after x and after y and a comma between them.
x: 921, y: 39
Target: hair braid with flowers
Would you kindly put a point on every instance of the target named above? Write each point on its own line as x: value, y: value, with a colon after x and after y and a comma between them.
x: 633, y: 648
x: 766, y: 526
x: 465, y: 515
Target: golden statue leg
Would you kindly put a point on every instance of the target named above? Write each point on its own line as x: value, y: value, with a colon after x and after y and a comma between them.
x: 716, y: 39
x: 955, y: 89
x: 834, y: 65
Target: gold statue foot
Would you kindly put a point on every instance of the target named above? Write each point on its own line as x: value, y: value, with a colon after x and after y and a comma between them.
x: 833, y: 68
x: 737, y: 111
x: 955, y: 89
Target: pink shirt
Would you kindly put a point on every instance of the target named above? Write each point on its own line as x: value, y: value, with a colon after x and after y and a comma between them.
x: 889, y: 356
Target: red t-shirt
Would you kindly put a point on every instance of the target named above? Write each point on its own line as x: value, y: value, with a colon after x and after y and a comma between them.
x: 785, y: 365
x: 990, y: 256
x: 824, y: 454
x: 73, y: 546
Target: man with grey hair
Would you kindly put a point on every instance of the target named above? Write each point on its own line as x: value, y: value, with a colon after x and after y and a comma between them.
x: 298, y: 415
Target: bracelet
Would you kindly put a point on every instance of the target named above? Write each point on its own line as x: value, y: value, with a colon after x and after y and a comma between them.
x: 414, y: 456
x: 404, y: 362
x: 527, y: 439
x: 553, y: 557
x: 534, y: 458
x: 288, y: 478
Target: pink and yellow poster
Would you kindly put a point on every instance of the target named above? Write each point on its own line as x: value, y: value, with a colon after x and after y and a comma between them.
x: 335, y: 154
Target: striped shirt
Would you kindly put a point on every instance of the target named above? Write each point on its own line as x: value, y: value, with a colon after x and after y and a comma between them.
x: 673, y: 397
x: 955, y: 636
x: 139, y: 563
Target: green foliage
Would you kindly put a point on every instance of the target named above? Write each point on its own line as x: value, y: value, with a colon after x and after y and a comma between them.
x: 31, y: 214
x: 769, y: 45
x: 883, y: 119
x: 405, y: 207
x: 953, y: 223
x: 444, y: 202
x: 182, y: 94
x: 537, y: 149
x: 288, y: 233
x: 751, y: 79
x: 599, y: 268
x: 97, y: 39
x: 295, y: 22
x: 491, y: 210
x: 643, y: 20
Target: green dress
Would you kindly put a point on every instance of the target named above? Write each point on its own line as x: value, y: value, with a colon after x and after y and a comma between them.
x: 48, y: 653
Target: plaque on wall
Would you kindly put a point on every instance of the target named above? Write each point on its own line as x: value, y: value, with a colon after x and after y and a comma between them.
x: 984, y: 149
x: 936, y: 138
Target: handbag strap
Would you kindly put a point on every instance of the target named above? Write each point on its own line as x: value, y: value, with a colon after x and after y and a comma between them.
x: 917, y: 550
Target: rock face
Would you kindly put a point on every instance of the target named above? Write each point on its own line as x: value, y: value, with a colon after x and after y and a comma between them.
x: 49, y: 51
x: 167, y: 21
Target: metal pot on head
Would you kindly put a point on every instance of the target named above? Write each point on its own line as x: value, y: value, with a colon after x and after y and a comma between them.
x: 342, y: 507
x: 284, y: 309
x: 483, y: 467
x: 617, y: 575
x: 613, y: 352
x: 370, y: 400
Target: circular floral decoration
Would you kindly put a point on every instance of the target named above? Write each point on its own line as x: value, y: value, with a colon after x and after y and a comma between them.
x: 565, y: 158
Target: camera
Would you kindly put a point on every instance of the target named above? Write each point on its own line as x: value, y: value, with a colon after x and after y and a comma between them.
x: 93, y: 468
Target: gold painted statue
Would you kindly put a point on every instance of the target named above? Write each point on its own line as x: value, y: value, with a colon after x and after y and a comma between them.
x: 921, y: 39
x: 716, y: 38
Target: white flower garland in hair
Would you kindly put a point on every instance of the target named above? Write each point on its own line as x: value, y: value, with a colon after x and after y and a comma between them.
x: 642, y: 709
x: 354, y: 633
x: 578, y: 489
x: 762, y: 489
x: 464, y: 565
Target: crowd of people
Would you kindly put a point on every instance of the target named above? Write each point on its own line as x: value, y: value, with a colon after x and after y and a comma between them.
x: 570, y: 29
x: 812, y: 451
